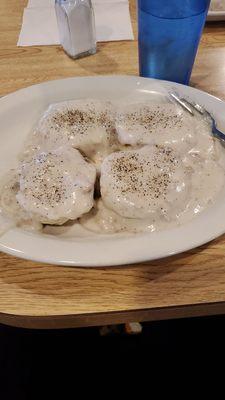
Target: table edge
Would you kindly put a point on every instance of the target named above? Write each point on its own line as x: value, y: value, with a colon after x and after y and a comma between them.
x: 114, y: 317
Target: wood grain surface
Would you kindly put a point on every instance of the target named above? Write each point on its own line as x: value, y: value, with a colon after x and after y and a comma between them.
x: 41, y: 296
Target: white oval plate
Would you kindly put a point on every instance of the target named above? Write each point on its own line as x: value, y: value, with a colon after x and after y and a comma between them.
x: 20, y: 111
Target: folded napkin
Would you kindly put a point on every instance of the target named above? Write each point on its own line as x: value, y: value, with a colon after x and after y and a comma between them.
x: 39, y: 27
x: 40, y: 3
x: 51, y: 3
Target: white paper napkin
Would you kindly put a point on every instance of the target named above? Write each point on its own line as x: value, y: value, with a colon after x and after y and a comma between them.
x: 40, y: 3
x: 51, y: 3
x: 39, y: 25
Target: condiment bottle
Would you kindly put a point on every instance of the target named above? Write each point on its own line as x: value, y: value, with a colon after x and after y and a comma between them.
x: 76, y: 25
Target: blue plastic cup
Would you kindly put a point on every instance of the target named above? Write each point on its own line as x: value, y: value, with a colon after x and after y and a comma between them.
x: 168, y: 36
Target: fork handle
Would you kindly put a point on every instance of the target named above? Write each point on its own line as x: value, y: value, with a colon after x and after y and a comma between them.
x: 216, y: 132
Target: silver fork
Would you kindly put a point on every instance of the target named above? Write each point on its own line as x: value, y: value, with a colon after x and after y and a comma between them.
x: 191, y: 107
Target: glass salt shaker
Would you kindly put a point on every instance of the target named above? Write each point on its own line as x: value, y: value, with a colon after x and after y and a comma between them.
x: 76, y: 25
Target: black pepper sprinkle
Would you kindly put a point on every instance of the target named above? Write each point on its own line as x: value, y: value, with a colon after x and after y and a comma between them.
x: 129, y: 168
x: 75, y: 121
x: 150, y: 118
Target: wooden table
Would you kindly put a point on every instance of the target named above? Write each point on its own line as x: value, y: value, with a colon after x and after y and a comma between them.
x: 35, y: 295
